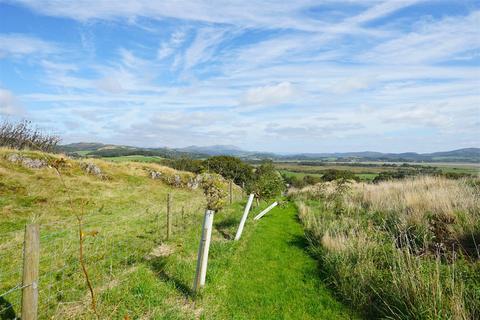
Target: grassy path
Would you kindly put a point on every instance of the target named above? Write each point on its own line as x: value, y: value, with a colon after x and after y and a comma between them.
x: 273, y: 277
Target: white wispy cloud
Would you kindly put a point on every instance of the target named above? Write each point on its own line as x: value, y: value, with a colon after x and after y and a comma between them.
x: 203, y: 46
x: 270, y: 94
x: 430, y: 42
x: 18, y: 45
x: 9, y: 104
x: 167, y: 48
x: 264, y: 14
x: 343, y: 82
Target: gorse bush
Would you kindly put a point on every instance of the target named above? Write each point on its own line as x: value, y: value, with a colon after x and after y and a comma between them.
x: 404, y: 249
x: 23, y: 135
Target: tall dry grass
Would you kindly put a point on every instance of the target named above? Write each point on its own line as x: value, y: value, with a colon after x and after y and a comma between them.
x: 400, y: 249
x: 416, y: 197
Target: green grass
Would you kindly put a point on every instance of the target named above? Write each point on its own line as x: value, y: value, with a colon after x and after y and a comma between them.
x: 136, y: 158
x: 83, y: 152
x: 375, y: 168
x: 366, y: 176
x: 299, y: 175
x: 128, y: 211
x: 271, y: 275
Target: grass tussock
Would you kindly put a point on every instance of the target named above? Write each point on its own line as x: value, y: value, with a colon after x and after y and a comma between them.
x: 401, y: 249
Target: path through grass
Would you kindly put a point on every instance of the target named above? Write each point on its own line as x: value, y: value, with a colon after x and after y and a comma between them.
x: 273, y: 277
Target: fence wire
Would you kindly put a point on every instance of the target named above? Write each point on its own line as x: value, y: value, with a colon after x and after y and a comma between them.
x: 113, y: 245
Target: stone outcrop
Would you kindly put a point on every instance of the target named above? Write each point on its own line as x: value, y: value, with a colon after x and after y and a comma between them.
x: 93, y: 169
x: 27, y: 162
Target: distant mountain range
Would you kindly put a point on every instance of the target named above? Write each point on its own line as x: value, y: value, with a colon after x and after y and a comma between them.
x: 109, y: 150
x: 459, y: 155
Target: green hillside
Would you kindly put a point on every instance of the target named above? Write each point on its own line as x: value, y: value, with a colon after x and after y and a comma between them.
x: 135, y: 272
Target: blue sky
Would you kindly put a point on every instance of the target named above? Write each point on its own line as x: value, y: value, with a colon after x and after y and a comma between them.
x: 282, y: 76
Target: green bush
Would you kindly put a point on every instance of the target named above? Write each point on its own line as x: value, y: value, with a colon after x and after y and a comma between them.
x: 230, y: 168
x: 186, y: 164
x: 267, y: 183
x: 214, y: 192
x: 333, y: 174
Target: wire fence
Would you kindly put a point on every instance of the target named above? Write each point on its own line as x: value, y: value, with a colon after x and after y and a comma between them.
x: 113, y: 245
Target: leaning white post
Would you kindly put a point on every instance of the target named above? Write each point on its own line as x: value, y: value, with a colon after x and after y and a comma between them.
x: 261, y: 214
x: 202, y: 259
x: 206, y: 248
x: 244, y: 217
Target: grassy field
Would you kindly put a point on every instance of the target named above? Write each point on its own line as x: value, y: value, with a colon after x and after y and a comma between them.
x: 299, y: 174
x: 403, y: 249
x: 139, y: 158
x: 367, y: 171
x: 137, y: 273
x: 126, y: 208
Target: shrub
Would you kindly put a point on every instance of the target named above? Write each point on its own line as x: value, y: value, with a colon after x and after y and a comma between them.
x: 214, y: 192
x: 296, y: 182
x: 22, y: 135
x: 333, y: 174
x: 186, y: 164
x: 267, y: 183
x: 230, y: 168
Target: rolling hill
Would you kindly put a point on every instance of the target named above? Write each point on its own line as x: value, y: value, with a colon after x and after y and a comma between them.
x: 110, y: 150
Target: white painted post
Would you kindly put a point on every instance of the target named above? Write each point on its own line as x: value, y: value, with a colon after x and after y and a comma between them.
x: 206, y: 248
x: 261, y: 214
x: 244, y: 217
x: 202, y: 259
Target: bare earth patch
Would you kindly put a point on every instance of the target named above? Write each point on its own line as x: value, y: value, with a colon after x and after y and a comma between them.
x: 163, y: 250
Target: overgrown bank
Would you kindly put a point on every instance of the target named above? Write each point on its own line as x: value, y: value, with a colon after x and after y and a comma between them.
x: 404, y: 250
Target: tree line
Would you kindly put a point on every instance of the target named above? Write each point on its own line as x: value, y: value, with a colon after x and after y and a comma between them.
x: 262, y: 180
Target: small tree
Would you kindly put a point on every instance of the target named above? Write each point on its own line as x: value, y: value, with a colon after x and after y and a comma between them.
x: 267, y: 182
x: 214, y: 192
x: 186, y: 164
x: 230, y: 168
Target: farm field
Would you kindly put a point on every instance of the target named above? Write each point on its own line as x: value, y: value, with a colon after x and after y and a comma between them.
x: 367, y: 171
x: 137, y: 158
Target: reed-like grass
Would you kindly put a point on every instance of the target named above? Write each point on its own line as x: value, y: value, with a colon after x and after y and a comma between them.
x: 400, y: 249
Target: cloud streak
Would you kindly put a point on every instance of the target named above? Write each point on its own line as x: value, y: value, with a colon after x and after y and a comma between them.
x: 303, y: 75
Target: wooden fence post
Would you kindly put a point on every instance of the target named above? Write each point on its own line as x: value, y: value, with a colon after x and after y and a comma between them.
x: 183, y: 217
x: 230, y: 188
x: 31, y: 260
x: 202, y: 259
x: 261, y: 214
x: 244, y: 217
x: 169, y: 218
